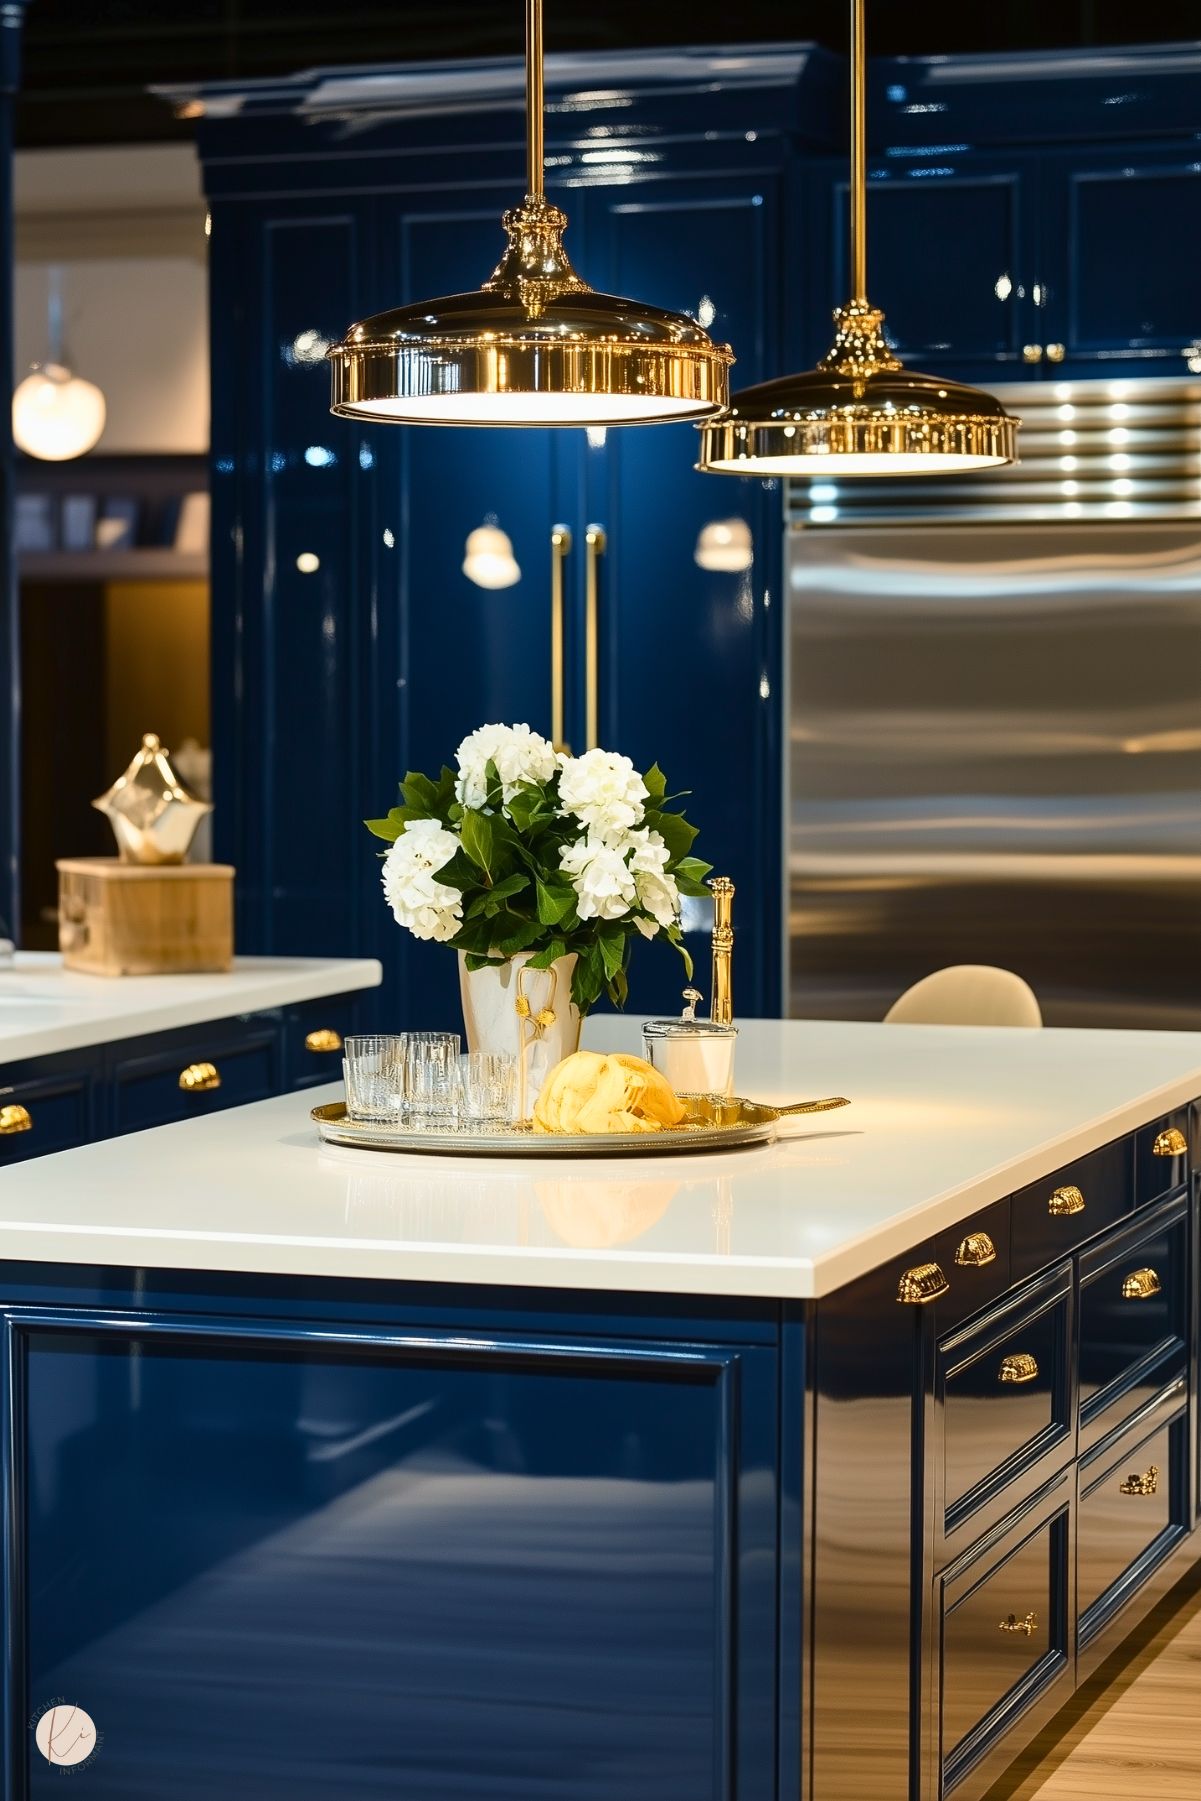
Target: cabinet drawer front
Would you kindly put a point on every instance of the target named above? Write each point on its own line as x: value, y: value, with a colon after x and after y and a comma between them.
x: 1133, y: 1320
x: 41, y: 1116
x: 1004, y: 1638
x: 1056, y: 1216
x: 313, y: 1040
x: 148, y: 1091
x: 1161, y: 1157
x: 1129, y: 1519
x: 974, y: 1258
x: 1005, y: 1399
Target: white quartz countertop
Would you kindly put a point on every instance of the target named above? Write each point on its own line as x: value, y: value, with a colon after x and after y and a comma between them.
x: 943, y: 1121
x: 45, y: 1008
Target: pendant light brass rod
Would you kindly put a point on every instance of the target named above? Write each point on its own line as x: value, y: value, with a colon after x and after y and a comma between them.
x: 858, y: 155
x: 533, y: 99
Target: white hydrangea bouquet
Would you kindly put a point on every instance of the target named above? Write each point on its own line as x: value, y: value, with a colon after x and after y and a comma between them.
x: 524, y: 854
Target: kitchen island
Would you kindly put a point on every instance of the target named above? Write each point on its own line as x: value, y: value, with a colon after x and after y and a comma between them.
x: 826, y: 1468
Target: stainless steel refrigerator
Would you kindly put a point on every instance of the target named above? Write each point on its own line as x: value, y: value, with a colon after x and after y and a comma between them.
x: 995, y: 706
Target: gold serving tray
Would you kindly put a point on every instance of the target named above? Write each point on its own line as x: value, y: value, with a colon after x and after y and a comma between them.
x: 712, y: 1123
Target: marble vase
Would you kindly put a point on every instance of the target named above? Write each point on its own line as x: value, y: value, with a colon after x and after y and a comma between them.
x: 528, y: 1012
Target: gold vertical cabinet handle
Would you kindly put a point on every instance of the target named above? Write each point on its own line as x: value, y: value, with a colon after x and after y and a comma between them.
x: 1146, y: 1484
x: 596, y: 545
x: 199, y: 1078
x: 560, y: 550
x: 1065, y: 1201
x: 1170, y: 1143
x: 924, y: 1282
x: 323, y: 1039
x: 1027, y: 1625
x: 1032, y: 353
x: 1056, y: 353
x: 1020, y: 1366
x: 15, y: 1118
x: 976, y: 1250
x: 1140, y: 1285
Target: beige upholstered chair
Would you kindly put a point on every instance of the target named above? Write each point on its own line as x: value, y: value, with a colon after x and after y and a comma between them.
x: 967, y: 994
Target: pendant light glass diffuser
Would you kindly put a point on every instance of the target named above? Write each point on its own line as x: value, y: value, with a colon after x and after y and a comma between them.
x: 535, y: 345
x: 860, y: 412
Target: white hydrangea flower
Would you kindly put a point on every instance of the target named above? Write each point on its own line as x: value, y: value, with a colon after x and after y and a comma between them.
x: 602, y: 880
x: 520, y: 755
x: 604, y: 792
x: 657, y: 891
x: 427, y: 908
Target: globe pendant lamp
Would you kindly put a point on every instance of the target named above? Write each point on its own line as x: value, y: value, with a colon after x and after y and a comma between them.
x: 535, y: 345
x: 56, y: 415
x: 859, y: 412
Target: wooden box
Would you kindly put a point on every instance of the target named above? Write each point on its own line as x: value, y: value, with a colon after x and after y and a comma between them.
x: 133, y: 919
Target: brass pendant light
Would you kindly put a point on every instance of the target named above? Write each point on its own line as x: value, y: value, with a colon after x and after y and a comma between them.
x: 859, y: 412
x: 535, y: 345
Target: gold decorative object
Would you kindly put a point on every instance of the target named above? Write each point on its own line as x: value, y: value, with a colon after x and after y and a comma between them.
x: 535, y: 345
x: 721, y: 1011
x: 1171, y: 1142
x: 976, y: 1250
x: 859, y: 412
x: 1065, y: 1201
x: 1140, y: 1285
x: 560, y: 550
x: 595, y: 546
x: 15, y: 1118
x: 1027, y: 1625
x: 199, y: 1078
x: 1146, y: 1484
x: 323, y: 1039
x: 1020, y: 1366
x: 924, y: 1282
x: 153, y: 815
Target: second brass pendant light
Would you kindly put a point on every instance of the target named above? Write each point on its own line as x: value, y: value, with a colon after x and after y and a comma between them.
x: 535, y: 345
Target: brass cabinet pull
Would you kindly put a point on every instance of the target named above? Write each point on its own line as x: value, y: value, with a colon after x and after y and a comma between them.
x: 560, y: 550
x: 1064, y: 1201
x: 1020, y: 1366
x: 1146, y: 1484
x: 595, y: 544
x: 924, y: 1282
x: 15, y: 1118
x: 1056, y: 353
x: 1140, y: 1285
x: 323, y: 1039
x: 1171, y: 1142
x: 1028, y: 1624
x: 976, y: 1250
x: 1032, y: 353
x: 199, y: 1078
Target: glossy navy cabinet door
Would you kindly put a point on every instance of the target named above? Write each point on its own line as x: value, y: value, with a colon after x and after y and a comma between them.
x: 689, y: 663
x: 270, y: 1566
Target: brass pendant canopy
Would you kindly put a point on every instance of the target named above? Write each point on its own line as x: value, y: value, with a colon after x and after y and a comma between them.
x: 535, y: 345
x: 860, y: 412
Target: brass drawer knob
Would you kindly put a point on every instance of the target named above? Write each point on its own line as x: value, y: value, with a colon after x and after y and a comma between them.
x: 1027, y: 1625
x: 199, y: 1078
x: 1020, y: 1366
x: 323, y: 1039
x: 1146, y: 1484
x: 15, y: 1118
x: 1140, y: 1285
x: 1056, y: 353
x: 1032, y: 353
x: 1170, y: 1143
x: 1064, y: 1201
x: 924, y: 1282
x: 976, y: 1250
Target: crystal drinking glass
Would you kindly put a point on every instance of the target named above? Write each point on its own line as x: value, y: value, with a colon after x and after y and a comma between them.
x: 431, y: 1071
x: 373, y: 1066
x: 487, y: 1080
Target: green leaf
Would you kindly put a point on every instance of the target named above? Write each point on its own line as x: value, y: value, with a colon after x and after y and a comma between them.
x: 589, y: 979
x: 612, y: 949
x: 674, y: 936
x: 550, y: 953
x: 384, y: 828
x: 421, y: 795
x: 460, y: 873
x: 477, y: 840
x: 655, y: 782
x: 475, y: 962
x: 619, y: 989
x: 512, y: 884
x: 554, y: 903
x: 511, y: 934
x: 494, y: 789
x: 676, y: 834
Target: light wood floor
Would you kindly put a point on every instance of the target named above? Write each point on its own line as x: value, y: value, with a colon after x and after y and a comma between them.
x: 1137, y: 1737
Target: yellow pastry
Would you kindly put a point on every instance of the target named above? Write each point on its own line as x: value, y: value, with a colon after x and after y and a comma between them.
x: 589, y: 1093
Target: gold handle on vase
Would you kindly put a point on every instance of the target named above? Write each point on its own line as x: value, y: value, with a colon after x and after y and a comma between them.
x: 1065, y: 1201
x: 324, y: 1038
x: 15, y: 1118
x: 199, y: 1078
x: 560, y: 550
x: 976, y: 1250
x: 924, y: 1282
x: 1032, y: 353
x: 1140, y: 1285
x: 1020, y: 1366
x: 1146, y: 1484
x: 1027, y: 1625
x: 1171, y: 1142
x: 595, y: 545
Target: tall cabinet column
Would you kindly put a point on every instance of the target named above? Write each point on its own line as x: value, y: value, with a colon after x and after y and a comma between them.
x: 12, y: 20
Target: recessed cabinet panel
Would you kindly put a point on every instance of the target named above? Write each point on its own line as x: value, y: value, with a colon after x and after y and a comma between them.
x: 1128, y: 216
x: 1133, y: 1320
x: 1128, y: 1520
x: 1078, y: 1202
x: 196, y: 1076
